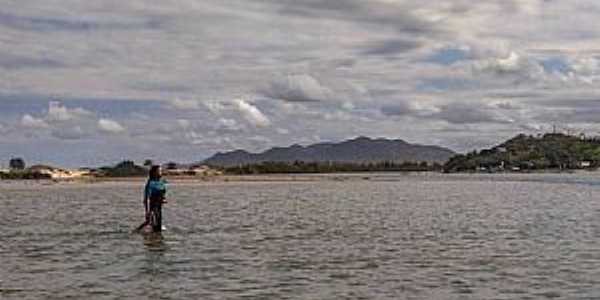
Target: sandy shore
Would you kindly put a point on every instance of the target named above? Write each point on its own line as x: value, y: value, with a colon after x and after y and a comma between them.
x: 247, y: 178
x: 209, y: 179
x: 283, y: 178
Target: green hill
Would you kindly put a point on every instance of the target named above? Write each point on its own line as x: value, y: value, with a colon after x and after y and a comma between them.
x: 125, y: 168
x: 523, y: 152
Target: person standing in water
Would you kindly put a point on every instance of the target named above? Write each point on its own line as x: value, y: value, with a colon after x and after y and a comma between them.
x: 154, y: 197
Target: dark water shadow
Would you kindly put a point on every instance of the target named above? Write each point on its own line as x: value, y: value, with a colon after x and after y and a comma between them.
x: 154, y: 242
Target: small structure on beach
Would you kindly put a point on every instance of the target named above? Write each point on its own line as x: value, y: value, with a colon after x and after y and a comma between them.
x: 56, y: 173
x: 193, y: 170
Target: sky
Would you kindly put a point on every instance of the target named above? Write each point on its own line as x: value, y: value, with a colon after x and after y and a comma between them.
x: 90, y: 83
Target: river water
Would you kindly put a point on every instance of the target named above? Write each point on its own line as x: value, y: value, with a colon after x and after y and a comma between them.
x: 362, y: 237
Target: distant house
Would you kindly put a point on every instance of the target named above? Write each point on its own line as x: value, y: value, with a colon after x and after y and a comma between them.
x: 43, y: 169
x: 199, y: 170
x: 195, y: 170
x: 175, y: 172
x: 57, y: 173
x: 204, y: 171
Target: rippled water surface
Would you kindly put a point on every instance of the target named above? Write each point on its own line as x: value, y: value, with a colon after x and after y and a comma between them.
x: 367, y: 237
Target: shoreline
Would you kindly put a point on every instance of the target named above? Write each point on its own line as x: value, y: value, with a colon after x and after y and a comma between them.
x: 284, y: 177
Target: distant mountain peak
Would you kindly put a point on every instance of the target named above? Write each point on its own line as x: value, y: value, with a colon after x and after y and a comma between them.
x: 237, y: 151
x: 361, y: 149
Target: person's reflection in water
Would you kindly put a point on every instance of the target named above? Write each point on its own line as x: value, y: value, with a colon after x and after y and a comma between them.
x: 154, y: 242
x: 153, y: 271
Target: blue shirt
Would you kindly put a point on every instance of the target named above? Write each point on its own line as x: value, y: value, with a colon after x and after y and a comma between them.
x: 155, y: 188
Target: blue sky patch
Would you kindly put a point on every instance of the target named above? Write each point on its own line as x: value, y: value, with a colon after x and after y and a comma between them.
x: 555, y: 65
x: 14, y: 106
x: 448, y: 56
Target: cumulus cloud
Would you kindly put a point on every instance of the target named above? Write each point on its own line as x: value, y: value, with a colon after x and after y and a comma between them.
x: 282, y: 131
x: 110, y: 126
x: 58, y: 112
x: 252, y: 114
x: 398, y: 16
x: 510, y: 64
x: 537, y: 71
x: 514, y: 65
x: 70, y: 132
x: 584, y: 69
x: 391, y: 48
x: 297, y: 88
x: 215, y: 107
x: 228, y: 125
x: 507, y: 106
x: 493, y: 56
x: 29, y: 121
x: 182, y: 104
x: 69, y: 123
x: 399, y: 108
x: 469, y: 113
x: 61, y: 122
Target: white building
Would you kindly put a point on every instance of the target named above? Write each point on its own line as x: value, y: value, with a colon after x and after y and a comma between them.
x: 57, y: 173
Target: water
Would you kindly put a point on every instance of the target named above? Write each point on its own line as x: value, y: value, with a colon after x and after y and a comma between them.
x: 367, y: 237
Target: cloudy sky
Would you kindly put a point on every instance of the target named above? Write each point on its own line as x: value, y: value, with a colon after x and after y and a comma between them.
x: 94, y: 82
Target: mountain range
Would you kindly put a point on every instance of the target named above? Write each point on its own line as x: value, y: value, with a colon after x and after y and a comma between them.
x: 357, y: 150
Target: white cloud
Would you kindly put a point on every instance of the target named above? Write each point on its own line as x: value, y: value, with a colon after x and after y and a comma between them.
x: 363, y: 58
x: 214, y: 106
x: 517, y: 68
x: 282, y: 131
x: 512, y: 63
x: 58, y: 112
x: 252, y: 114
x: 469, y: 113
x: 29, y: 121
x: 297, y: 88
x: 229, y: 125
x: 110, y: 126
x: 75, y: 132
x: 182, y: 104
x: 184, y: 124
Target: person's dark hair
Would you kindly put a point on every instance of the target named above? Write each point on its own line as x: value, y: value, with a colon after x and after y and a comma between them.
x: 153, y: 174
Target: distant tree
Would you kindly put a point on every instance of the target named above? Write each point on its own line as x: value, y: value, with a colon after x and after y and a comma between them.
x: 171, y: 166
x: 17, y: 163
x: 148, y: 163
x: 125, y: 164
x: 124, y: 169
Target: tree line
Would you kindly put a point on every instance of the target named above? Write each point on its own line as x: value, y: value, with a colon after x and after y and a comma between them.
x: 329, y: 167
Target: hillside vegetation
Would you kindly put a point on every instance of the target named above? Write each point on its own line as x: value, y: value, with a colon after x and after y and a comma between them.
x: 523, y: 152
